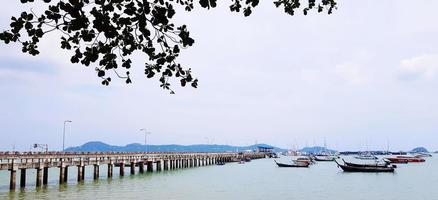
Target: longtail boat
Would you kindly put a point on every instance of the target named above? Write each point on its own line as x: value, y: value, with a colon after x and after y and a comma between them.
x: 291, y: 165
x: 386, y: 164
x: 347, y: 168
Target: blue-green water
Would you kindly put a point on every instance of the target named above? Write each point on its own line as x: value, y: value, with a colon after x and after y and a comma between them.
x: 259, y: 179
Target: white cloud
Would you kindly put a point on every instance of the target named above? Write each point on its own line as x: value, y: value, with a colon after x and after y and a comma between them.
x: 424, y: 67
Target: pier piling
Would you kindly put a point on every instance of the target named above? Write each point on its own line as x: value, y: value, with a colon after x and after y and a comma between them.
x: 132, y: 168
x: 141, y: 167
x: 12, y: 182
x: 61, y: 175
x: 22, y: 178
x: 122, y: 169
x: 110, y: 170
x: 45, y: 175
x: 150, y: 166
x: 39, y: 177
x: 158, y: 165
x: 96, y: 172
x: 79, y: 173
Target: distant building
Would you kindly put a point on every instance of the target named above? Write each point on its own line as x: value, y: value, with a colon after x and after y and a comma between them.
x: 267, y: 150
x: 264, y: 149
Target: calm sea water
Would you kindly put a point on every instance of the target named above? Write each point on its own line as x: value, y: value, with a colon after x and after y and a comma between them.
x: 259, y: 179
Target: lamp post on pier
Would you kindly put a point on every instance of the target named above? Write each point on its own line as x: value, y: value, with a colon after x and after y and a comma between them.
x: 63, y: 134
x: 146, y: 133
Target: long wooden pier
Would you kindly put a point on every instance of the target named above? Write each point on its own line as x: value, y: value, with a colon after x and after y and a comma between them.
x: 144, y: 161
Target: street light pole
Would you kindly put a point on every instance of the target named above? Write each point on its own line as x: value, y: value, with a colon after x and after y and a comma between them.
x: 63, y: 134
x: 146, y: 133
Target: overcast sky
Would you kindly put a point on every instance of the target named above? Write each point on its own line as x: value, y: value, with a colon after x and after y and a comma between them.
x: 363, y: 77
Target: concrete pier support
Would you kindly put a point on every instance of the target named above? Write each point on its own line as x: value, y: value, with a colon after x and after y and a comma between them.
x: 159, y: 165
x: 80, y: 173
x: 65, y: 174
x: 195, y: 162
x: 166, y: 165
x: 45, y: 175
x: 132, y: 168
x: 122, y: 169
x: 39, y: 177
x: 83, y: 172
x: 61, y: 175
x: 172, y: 164
x: 22, y: 178
x: 110, y: 170
x: 13, y: 179
x: 96, y: 172
x: 141, y: 167
x: 150, y: 166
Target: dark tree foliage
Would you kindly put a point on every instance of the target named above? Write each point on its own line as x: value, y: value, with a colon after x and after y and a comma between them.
x: 107, y: 32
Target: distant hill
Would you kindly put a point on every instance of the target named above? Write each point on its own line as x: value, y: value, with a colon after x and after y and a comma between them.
x: 420, y: 150
x: 97, y: 146
x: 316, y: 149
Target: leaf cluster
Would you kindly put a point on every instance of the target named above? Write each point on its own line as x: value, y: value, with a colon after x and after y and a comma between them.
x: 107, y: 32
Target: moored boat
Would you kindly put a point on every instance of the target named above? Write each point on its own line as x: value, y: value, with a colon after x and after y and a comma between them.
x: 397, y: 160
x: 375, y: 169
x: 366, y: 156
x: 306, y: 160
x: 324, y: 158
x: 386, y: 164
x: 296, y: 165
x: 406, y: 159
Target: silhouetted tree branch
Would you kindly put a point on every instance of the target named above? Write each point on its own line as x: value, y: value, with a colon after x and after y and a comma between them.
x: 107, y: 32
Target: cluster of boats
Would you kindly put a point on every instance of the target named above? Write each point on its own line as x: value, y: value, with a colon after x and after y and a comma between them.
x: 384, y: 165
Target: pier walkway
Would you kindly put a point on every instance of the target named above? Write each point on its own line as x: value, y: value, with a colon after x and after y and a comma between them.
x: 145, y: 162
